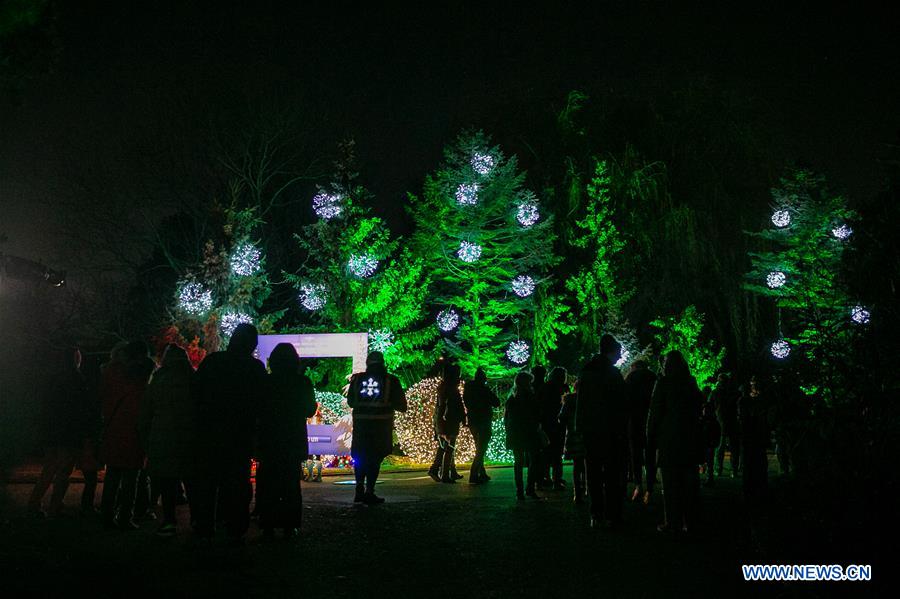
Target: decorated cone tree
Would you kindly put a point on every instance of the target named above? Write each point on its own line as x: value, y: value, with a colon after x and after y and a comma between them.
x: 489, y: 249
x: 800, y: 269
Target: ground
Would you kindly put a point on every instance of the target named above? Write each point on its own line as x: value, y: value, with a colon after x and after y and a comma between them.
x: 428, y: 539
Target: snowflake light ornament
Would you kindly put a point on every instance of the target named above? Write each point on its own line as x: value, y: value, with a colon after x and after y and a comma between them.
x: 781, y: 218
x: 327, y: 205
x: 447, y: 320
x: 842, y: 232
x: 527, y: 214
x: 380, y: 339
x: 482, y: 163
x: 194, y: 298
x: 518, y: 352
x: 245, y: 259
x: 469, y: 252
x: 781, y: 349
x: 860, y: 315
x: 230, y: 321
x: 776, y: 279
x: 362, y: 265
x: 370, y: 388
x: 523, y: 285
x: 313, y: 296
x: 467, y: 194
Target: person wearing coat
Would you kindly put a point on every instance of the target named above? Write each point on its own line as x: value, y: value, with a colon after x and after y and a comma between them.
x: 573, y: 448
x: 166, y: 427
x: 601, y: 419
x: 675, y: 428
x: 374, y: 396
x: 479, y: 402
x: 449, y: 416
x: 550, y: 400
x: 122, y: 386
x: 639, y: 383
x: 522, y: 420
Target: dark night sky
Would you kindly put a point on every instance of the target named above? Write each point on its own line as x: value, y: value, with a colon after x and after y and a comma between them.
x: 404, y: 80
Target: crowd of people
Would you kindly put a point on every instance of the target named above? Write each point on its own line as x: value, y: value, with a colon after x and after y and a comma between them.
x: 173, y: 434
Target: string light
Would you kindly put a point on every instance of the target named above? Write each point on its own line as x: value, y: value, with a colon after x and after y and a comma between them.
x: 362, y: 265
x: 332, y: 406
x: 415, y: 427
x: 194, y: 298
x: 527, y: 214
x: 230, y: 321
x: 842, y: 232
x: 327, y: 205
x: 482, y: 163
x: 781, y: 218
x: 380, y: 339
x: 497, y: 451
x: 860, y: 315
x: 775, y: 279
x: 469, y: 252
x: 245, y: 259
x: 518, y: 352
x: 623, y: 359
x: 447, y: 320
x: 467, y: 194
x: 781, y: 349
x: 523, y: 285
x: 313, y: 296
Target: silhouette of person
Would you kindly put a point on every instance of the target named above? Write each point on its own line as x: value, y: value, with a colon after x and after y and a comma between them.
x: 755, y: 433
x: 574, y: 446
x: 522, y: 420
x: 283, y: 442
x: 550, y: 400
x: 601, y: 418
x: 725, y: 399
x: 449, y: 415
x: 230, y: 386
x: 639, y: 383
x: 479, y: 402
x: 674, y: 425
x: 374, y: 396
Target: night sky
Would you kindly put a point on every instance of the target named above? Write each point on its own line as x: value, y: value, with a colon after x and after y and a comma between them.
x: 403, y: 80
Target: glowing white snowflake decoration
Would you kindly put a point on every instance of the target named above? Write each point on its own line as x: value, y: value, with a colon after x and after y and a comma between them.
x: 467, y: 194
x: 781, y: 349
x: 527, y: 214
x: 313, y: 296
x: 860, y: 315
x: 518, y: 352
x: 842, y: 232
x: 523, y: 285
x: 230, y: 321
x: 327, y: 205
x: 362, y: 265
x: 245, y: 259
x: 380, y: 339
x: 370, y: 388
x: 447, y: 320
x: 482, y: 163
x: 194, y: 298
x: 623, y: 359
x: 469, y: 252
x: 781, y: 218
x: 776, y: 279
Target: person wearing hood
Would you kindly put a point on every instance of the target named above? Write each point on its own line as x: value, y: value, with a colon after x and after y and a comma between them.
x: 374, y: 396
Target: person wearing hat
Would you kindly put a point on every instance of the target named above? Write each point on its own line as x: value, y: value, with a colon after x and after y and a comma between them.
x: 374, y: 396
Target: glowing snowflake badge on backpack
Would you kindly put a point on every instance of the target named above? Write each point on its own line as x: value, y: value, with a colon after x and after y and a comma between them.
x: 370, y: 388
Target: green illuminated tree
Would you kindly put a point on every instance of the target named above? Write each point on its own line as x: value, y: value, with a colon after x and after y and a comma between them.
x: 489, y: 248
x: 684, y: 333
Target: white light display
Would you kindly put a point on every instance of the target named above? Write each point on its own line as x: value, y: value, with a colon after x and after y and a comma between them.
x: 781, y: 218
x: 194, y: 298
x: 467, y: 194
x: 230, y: 321
x: 482, y: 163
x: 415, y: 426
x: 380, y: 339
x: 362, y: 265
x: 781, y: 349
x: 523, y: 285
x: 313, y: 297
x: 245, y: 259
x: 327, y: 205
x: 527, y: 214
x: 518, y: 352
x: 469, y: 252
x: 370, y: 388
x: 447, y: 320
x: 623, y: 359
x: 842, y: 232
x: 775, y: 279
x: 860, y: 315
x: 332, y: 406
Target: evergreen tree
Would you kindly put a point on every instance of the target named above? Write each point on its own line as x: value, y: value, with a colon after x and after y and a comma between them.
x: 684, y: 333
x: 489, y: 249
